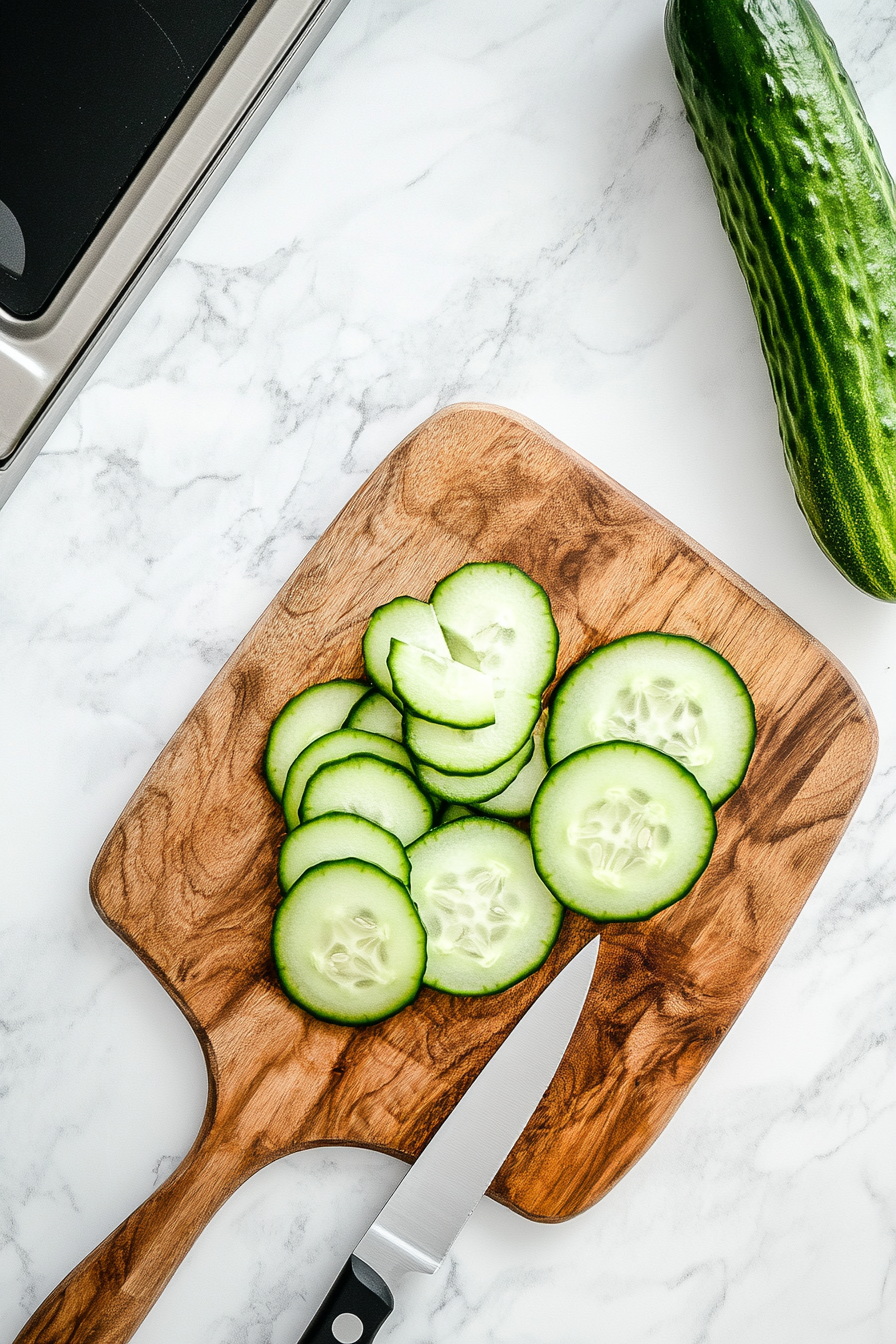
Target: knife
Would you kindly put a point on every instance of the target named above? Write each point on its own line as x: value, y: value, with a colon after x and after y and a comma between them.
x: 418, y: 1226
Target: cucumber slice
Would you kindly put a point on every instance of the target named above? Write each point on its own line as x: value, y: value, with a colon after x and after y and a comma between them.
x: 474, y: 788
x: 372, y: 788
x: 666, y: 691
x: 475, y: 751
x: 517, y: 798
x: 348, y: 944
x: 454, y: 812
x: 440, y: 689
x: 499, y: 621
x: 403, y: 618
x: 620, y: 830
x: 339, y: 835
x: 375, y: 714
x: 307, y: 716
x: 335, y: 747
x: 489, y: 918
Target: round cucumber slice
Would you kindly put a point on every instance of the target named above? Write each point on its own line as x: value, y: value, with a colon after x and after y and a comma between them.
x: 375, y: 714
x: 489, y: 918
x: 516, y: 800
x: 474, y: 788
x: 340, y: 835
x: 665, y: 691
x: 454, y: 812
x: 372, y: 788
x: 317, y: 710
x: 403, y: 618
x: 335, y: 747
x: 440, y: 689
x: 619, y: 831
x: 475, y: 751
x: 348, y: 944
x: 499, y: 621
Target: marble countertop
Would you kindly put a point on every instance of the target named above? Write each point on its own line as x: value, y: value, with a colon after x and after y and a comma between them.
x: 458, y: 201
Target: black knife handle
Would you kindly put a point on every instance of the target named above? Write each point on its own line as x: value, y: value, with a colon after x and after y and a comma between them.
x: 354, y: 1308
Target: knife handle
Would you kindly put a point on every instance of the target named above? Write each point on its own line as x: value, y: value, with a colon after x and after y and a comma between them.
x: 354, y: 1308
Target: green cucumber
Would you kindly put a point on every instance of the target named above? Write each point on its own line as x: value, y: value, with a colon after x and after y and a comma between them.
x: 489, y: 918
x: 372, y: 788
x: 317, y: 710
x: 335, y: 747
x: 619, y: 831
x: 348, y: 944
x: 498, y: 619
x: 475, y: 751
x: 454, y: 812
x: 475, y: 788
x: 516, y: 800
x: 440, y: 689
x: 666, y: 691
x: 375, y: 714
x: 340, y: 835
x: 810, y: 210
x: 404, y: 618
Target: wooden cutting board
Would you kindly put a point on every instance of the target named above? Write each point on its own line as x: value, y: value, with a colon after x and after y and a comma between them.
x: 187, y: 876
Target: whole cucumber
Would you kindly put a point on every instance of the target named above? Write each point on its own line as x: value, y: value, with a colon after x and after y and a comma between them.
x: 810, y: 209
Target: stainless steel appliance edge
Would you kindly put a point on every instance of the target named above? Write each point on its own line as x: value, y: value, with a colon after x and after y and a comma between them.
x: 45, y: 362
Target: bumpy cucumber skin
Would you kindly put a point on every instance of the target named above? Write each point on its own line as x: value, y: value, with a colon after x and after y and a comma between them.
x: 810, y: 210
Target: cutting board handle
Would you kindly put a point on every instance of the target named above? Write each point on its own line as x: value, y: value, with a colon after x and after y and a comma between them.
x: 106, y: 1296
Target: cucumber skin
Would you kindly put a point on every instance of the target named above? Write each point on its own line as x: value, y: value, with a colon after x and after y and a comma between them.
x: 810, y: 210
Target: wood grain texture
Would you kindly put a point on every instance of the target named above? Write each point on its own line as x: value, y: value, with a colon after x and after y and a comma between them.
x: 187, y: 876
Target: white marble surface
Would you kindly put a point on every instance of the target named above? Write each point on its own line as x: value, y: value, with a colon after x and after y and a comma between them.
x: 499, y: 202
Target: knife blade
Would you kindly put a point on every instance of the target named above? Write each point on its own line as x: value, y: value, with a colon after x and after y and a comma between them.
x: 417, y: 1227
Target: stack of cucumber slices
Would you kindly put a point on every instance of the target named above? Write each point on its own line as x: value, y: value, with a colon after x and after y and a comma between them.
x: 407, y: 860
